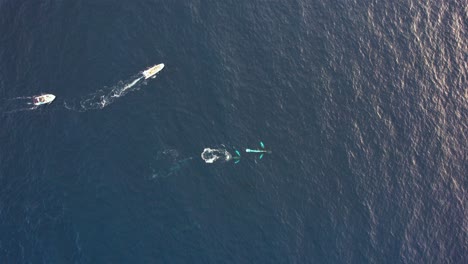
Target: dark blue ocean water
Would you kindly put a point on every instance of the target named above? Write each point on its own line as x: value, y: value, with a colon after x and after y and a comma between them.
x: 364, y: 105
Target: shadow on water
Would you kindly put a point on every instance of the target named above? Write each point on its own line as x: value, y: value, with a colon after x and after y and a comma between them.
x: 168, y: 163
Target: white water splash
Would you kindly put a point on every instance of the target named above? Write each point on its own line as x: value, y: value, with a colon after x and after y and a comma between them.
x: 211, y: 155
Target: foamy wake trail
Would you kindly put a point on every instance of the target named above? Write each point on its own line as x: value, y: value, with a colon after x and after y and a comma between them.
x: 104, y: 97
x: 18, y: 104
x: 21, y: 97
x: 211, y: 155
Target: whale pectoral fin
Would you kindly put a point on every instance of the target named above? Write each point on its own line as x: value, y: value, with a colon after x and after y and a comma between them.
x: 261, y: 156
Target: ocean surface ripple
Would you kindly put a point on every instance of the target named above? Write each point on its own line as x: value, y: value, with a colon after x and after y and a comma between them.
x: 364, y: 105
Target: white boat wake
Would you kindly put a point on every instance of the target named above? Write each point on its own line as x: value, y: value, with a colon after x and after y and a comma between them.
x: 104, y: 97
x: 18, y: 104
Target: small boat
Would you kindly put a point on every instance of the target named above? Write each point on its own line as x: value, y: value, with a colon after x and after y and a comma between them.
x: 43, y: 99
x: 153, y: 70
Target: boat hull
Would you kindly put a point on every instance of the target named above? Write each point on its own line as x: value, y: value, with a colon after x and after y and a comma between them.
x: 151, y: 71
x: 43, y: 99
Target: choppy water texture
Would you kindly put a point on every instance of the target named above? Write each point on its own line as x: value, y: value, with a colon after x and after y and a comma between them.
x: 363, y: 103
